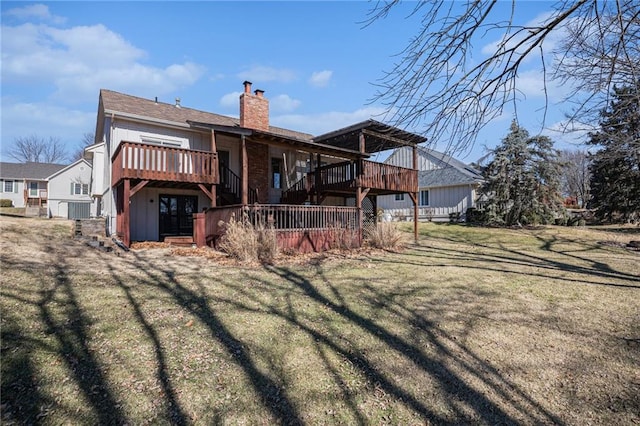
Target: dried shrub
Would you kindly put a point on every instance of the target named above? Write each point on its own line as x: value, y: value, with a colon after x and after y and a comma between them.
x: 248, y: 243
x: 386, y: 235
x: 342, y: 238
x: 6, y: 203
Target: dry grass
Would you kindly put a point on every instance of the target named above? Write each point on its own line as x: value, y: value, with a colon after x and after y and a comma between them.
x: 470, y: 326
x: 387, y: 236
x: 248, y: 243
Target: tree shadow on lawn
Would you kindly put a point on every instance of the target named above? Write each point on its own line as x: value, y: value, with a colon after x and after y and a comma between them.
x: 273, y: 395
x: 499, y: 258
x: 65, y: 320
x: 456, y: 388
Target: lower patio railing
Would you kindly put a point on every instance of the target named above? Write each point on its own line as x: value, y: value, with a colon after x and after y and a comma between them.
x: 298, y: 227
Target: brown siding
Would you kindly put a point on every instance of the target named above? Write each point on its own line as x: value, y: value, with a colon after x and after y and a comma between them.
x: 258, y: 156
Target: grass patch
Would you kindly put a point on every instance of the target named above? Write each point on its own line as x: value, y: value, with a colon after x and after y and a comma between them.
x: 469, y: 325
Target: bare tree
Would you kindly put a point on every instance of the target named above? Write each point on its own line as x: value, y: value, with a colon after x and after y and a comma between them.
x: 575, y: 175
x: 438, y: 86
x: 38, y: 150
x: 88, y: 138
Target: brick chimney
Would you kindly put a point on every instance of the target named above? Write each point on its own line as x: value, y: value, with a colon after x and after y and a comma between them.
x: 254, y: 109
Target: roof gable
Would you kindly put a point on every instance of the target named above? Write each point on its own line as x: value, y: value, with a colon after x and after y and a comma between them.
x: 70, y: 166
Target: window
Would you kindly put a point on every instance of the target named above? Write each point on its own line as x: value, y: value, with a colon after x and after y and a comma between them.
x: 9, y: 186
x: 33, y: 189
x: 424, y: 198
x: 276, y: 173
x: 79, y: 189
x: 399, y: 197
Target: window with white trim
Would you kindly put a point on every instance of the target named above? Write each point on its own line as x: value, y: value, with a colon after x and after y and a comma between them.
x: 79, y: 189
x: 33, y: 189
x: 424, y: 198
x: 9, y: 186
x: 399, y: 197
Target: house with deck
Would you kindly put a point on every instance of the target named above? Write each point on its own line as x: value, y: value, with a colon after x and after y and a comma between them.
x: 164, y: 172
x: 25, y: 184
x: 447, y: 187
x: 47, y: 189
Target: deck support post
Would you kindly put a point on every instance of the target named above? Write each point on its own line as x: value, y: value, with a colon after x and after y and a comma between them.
x: 212, y: 194
x: 318, y: 179
x: 415, y: 195
x: 245, y: 171
x: 126, y: 195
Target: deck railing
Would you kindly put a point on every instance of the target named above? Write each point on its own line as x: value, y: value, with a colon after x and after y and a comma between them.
x: 388, y: 177
x: 141, y: 161
x: 284, y: 218
x: 343, y: 176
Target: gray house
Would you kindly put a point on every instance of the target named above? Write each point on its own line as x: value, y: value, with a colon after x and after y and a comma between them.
x: 447, y: 187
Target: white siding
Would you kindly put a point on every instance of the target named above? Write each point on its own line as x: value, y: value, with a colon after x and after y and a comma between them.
x: 403, y: 157
x: 60, y: 188
x: 139, y: 132
x: 442, y: 202
x: 16, y: 196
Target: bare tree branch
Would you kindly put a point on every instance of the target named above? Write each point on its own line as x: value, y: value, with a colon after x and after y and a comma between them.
x: 436, y: 86
x: 38, y: 150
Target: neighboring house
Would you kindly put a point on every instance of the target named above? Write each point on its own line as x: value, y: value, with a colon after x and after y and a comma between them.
x: 447, y: 187
x: 163, y: 171
x: 25, y: 184
x: 69, y: 195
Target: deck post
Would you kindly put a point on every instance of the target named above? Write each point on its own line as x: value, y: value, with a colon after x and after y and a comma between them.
x: 213, y: 186
x: 126, y: 237
x: 416, y: 195
x: 318, y: 178
x: 199, y: 229
x: 245, y: 171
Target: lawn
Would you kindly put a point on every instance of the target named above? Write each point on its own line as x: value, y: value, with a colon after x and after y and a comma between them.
x: 470, y: 325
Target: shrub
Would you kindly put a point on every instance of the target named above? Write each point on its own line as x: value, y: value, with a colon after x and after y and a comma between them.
x: 6, y: 203
x: 247, y: 243
x: 386, y: 235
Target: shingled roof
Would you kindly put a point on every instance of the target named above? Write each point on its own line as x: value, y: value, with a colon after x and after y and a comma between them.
x: 127, y: 105
x: 29, y: 171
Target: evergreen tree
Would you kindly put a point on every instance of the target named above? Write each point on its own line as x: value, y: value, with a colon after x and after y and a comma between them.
x: 522, y: 182
x: 615, y: 168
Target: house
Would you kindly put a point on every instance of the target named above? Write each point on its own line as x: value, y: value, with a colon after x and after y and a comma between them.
x: 447, y: 186
x: 25, y: 184
x: 68, y: 190
x: 163, y: 172
x: 63, y: 191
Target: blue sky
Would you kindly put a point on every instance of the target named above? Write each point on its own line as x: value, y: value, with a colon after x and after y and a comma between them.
x: 316, y: 61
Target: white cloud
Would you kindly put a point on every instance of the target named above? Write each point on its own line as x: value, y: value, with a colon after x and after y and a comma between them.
x: 261, y: 73
x: 230, y: 100
x: 283, y: 103
x: 44, y: 120
x: 35, y: 11
x: 320, y: 78
x: 317, y: 124
x: 79, y: 61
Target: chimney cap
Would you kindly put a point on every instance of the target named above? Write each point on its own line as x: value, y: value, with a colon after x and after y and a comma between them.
x: 259, y: 92
x: 247, y: 86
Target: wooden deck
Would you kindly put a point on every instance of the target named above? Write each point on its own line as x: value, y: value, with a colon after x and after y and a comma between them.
x: 159, y: 163
x: 345, y: 177
x: 300, y: 228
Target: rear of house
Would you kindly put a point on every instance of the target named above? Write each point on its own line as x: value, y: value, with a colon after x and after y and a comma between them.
x: 160, y: 166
